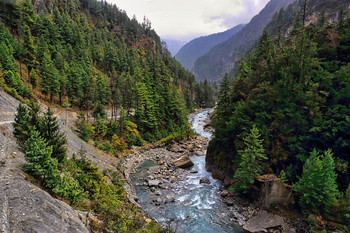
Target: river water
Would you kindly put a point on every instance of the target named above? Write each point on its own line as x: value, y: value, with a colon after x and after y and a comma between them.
x: 197, y: 207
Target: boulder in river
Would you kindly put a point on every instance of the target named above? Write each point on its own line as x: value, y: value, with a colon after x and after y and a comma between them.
x: 204, y: 181
x: 152, y: 183
x: 183, y: 162
x: 263, y: 221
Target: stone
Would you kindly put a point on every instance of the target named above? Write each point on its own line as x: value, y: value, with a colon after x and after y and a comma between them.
x: 159, y: 200
x: 152, y: 183
x: 204, y: 181
x: 175, y: 148
x: 183, y: 162
x: 191, y: 147
x: 263, y: 221
x: 225, y: 193
x: 229, y: 203
x: 158, y: 193
x: 193, y: 172
x: 272, y: 190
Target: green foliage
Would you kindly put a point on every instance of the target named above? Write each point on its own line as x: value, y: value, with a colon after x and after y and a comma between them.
x: 317, y: 186
x: 69, y: 188
x: 50, y: 130
x: 40, y: 163
x: 250, y: 157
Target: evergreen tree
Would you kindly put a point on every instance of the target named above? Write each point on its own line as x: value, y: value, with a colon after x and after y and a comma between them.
x: 250, y: 157
x: 317, y: 186
x: 40, y: 163
x: 22, y: 123
x: 50, y: 130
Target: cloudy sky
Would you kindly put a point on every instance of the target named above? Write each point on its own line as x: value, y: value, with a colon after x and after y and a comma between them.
x: 187, y: 19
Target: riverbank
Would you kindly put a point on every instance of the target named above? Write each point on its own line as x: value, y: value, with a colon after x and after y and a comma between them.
x: 177, y: 197
x: 184, y: 199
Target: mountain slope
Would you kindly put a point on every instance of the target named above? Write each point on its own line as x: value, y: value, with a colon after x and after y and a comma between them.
x: 174, y: 46
x: 221, y: 59
x: 196, y: 48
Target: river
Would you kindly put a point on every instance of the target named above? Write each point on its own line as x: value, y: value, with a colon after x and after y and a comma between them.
x: 196, y: 208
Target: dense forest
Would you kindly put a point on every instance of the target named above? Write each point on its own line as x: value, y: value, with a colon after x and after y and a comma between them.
x: 88, y: 56
x: 286, y: 112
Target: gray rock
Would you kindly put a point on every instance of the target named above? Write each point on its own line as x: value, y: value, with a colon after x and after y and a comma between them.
x: 152, y: 183
x: 263, y: 221
x: 183, y: 162
x: 204, y: 181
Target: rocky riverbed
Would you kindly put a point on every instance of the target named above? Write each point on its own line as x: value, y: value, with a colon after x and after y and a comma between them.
x: 188, y: 198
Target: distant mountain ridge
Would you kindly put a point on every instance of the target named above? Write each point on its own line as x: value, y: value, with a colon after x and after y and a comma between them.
x: 174, y: 46
x: 221, y: 58
x: 196, y: 48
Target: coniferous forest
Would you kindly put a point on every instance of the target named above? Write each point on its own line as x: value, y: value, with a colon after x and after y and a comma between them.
x: 90, y: 57
x: 286, y: 112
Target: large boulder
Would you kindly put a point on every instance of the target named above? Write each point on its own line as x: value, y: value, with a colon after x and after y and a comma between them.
x: 183, y: 162
x: 263, y: 222
x: 272, y: 190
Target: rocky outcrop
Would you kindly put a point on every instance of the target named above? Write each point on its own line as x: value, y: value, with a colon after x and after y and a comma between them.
x: 272, y: 191
x: 183, y: 162
x: 25, y: 207
x: 263, y: 222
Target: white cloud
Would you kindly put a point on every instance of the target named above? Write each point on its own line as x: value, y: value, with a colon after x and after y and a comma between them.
x: 190, y: 18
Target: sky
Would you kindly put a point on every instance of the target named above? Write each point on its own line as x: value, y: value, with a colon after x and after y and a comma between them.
x: 187, y: 19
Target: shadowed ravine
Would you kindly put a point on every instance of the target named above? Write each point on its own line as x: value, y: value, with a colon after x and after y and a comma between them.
x: 194, y: 207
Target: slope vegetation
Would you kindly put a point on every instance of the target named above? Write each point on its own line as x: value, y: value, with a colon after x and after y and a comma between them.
x: 222, y: 58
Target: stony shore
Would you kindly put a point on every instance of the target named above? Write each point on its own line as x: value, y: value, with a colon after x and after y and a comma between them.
x: 162, y: 180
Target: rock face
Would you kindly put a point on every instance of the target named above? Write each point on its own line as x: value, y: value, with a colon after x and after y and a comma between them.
x: 183, y: 162
x: 263, y: 221
x: 272, y: 190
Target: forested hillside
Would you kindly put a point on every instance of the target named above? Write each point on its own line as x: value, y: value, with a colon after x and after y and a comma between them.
x: 223, y: 57
x: 287, y: 111
x: 196, y: 48
x: 89, y: 54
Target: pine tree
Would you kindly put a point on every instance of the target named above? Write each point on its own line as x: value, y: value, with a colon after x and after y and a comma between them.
x: 22, y: 124
x: 39, y: 161
x: 28, y: 52
x: 223, y: 106
x: 317, y: 186
x: 50, y: 130
x: 249, y: 168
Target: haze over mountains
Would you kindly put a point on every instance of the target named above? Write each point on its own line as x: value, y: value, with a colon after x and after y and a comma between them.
x: 210, y: 60
x: 196, y: 48
x: 174, y: 45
